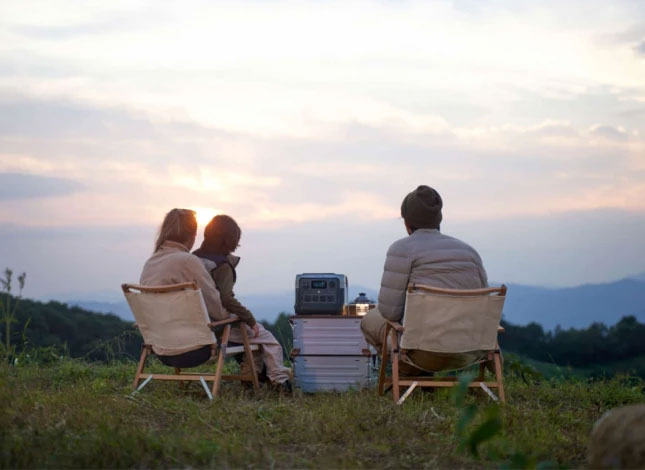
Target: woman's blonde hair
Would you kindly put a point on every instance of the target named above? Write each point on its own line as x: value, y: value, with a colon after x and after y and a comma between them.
x: 179, y: 225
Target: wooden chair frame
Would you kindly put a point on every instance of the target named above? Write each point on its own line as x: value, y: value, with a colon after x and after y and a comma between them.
x: 393, y: 332
x: 218, y: 352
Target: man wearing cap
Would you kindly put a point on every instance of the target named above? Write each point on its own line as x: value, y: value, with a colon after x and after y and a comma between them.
x: 425, y: 256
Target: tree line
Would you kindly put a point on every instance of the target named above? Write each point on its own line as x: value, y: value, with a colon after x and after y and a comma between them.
x: 78, y: 333
x: 587, y: 347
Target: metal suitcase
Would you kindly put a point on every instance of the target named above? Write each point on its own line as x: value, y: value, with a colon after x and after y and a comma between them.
x: 330, y: 353
x: 337, y: 336
x: 331, y: 373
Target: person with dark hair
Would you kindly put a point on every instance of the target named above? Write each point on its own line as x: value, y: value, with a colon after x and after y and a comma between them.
x: 221, y: 238
x: 172, y: 263
x: 425, y: 256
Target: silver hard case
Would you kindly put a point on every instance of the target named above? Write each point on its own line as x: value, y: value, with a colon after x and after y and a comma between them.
x: 330, y: 353
x: 331, y: 373
x: 328, y: 335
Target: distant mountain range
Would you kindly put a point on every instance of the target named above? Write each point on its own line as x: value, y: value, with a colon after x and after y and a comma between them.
x: 263, y: 306
x: 569, y: 307
x: 575, y: 307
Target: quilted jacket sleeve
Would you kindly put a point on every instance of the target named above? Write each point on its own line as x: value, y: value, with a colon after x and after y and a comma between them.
x: 391, y: 297
x: 482, y: 272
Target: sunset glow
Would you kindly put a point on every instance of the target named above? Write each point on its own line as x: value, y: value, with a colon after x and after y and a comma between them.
x: 308, y: 123
x: 204, y: 216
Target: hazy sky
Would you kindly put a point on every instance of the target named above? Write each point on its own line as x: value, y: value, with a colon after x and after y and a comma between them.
x: 309, y: 121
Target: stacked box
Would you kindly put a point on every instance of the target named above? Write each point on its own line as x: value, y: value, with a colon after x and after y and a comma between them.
x: 329, y: 353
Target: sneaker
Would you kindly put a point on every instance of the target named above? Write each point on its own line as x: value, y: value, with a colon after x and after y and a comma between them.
x: 283, y: 388
x: 263, y: 377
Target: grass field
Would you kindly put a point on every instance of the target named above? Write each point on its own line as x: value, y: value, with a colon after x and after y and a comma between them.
x: 633, y: 366
x: 72, y: 414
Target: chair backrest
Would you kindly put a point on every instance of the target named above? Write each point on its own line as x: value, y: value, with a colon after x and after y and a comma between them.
x: 170, y: 318
x: 451, y: 320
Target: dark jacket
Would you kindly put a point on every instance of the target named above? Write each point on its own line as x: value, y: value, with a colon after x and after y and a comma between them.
x: 222, y: 270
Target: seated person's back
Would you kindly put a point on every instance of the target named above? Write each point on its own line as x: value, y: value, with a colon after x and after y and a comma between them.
x: 172, y: 263
x: 425, y: 256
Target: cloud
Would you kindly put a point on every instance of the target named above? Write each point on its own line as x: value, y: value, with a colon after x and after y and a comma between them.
x: 640, y: 48
x: 27, y: 186
x: 578, y: 106
x: 64, y: 32
x: 235, y: 66
x: 609, y: 132
x: 633, y: 112
x: 315, y: 141
x: 16, y: 64
x: 38, y: 118
x: 356, y: 171
x: 631, y: 34
x: 555, y: 129
x: 52, y: 21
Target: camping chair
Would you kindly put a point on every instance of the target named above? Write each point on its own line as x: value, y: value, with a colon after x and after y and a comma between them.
x: 180, y: 309
x: 444, y: 321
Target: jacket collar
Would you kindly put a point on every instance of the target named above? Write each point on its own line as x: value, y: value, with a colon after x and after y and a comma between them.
x: 425, y: 230
x: 168, y: 244
x: 216, y: 258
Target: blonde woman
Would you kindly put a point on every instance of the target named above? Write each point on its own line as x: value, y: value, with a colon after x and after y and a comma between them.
x: 172, y: 263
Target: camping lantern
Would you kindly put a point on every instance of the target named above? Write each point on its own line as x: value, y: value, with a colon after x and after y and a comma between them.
x: 363, y: 304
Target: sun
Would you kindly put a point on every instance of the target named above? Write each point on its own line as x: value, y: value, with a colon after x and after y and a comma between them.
x: 205, y: 214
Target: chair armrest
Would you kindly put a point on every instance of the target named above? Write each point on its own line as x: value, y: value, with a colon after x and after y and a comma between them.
x: 231, y: 319
x: 159, y: 289
x: 397, y: 326
x: 458, y: 292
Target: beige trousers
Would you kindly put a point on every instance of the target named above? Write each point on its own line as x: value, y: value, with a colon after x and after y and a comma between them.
x: 373, y: 327
x: 269, y: 354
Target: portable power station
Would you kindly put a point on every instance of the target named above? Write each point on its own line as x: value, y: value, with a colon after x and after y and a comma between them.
x: 320, y: 294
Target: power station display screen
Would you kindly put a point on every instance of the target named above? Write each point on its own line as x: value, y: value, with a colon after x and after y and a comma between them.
x: 319, y: 284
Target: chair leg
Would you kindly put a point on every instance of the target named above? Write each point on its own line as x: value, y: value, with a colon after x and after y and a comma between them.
x: 142, y: 363
x: 383, y: 367
x: 249, y: 357
x: 220, y: 360
x: 482, y: 371
x: 407, y: 392
x: 395, y: 366
x: 499, y: 377
x: 182, y: 384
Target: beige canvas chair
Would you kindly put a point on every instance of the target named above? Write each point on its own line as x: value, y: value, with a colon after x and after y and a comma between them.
x: 445, y: 321
x: 179, y: 309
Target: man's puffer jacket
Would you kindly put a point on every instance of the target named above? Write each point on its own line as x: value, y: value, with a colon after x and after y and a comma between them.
x: 431, y: 258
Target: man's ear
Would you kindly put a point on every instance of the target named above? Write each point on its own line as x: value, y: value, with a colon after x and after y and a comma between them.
x: 407, y: 227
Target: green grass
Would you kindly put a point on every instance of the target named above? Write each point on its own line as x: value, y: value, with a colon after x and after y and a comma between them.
x: 73, y: 414
x: 633, y: 366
